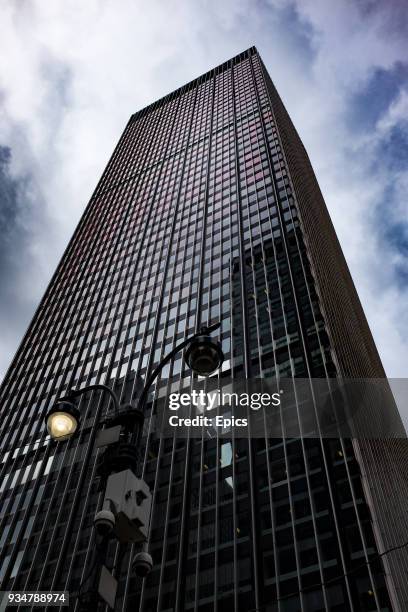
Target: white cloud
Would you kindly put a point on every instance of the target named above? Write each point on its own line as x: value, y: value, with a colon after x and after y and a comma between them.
x: 349, y: 47
x: 396, y: 114
x: 72, y: 73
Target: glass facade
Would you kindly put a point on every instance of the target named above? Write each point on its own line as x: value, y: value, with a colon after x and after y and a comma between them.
x: 197, y: 218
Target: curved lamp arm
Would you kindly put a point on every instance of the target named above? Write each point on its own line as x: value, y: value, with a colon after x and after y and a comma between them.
x: 99, y: 387
x: 169, y: 357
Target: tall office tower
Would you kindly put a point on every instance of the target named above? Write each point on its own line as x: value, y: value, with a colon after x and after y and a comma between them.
x: 208, y: 210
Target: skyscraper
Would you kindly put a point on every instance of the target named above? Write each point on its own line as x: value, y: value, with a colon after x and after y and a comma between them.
x: 208, y: 210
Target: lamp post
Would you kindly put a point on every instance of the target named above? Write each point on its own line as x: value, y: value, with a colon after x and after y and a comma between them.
x: 127, y: 502
x: 204, y: 356
x: 63, y: 418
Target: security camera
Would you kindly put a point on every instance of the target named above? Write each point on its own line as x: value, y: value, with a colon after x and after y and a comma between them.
x: 104, y: 522
x: 142, y: 564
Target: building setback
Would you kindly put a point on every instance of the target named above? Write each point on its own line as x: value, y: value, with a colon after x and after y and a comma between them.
x: 208, y: 210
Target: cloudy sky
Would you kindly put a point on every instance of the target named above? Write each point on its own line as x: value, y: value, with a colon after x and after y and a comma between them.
x: 72, y: 72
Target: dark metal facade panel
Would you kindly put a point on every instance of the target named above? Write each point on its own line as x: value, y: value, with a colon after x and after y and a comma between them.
x: 384, y: 462
x: 206, y: 211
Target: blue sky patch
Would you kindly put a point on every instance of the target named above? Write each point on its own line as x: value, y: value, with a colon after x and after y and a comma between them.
x: 370, y: 104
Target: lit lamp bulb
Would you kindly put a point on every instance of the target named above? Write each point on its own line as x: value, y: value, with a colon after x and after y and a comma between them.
x: 61, y: 425
x: 62, y: 421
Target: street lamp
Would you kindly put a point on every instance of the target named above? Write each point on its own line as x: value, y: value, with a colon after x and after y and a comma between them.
x: 203, y: 355
x: 62, y: 420
x: 127, y: 501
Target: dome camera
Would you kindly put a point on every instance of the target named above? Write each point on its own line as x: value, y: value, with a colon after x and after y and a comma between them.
x: 142, y: 564
x: 104, y: 522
